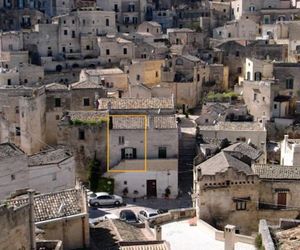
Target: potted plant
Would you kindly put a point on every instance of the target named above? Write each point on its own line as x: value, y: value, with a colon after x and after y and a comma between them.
x: 135, y: 192
x: 167, y: 192
x: 125, y: 191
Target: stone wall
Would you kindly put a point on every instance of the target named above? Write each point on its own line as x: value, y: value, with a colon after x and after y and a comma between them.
x: 267, y: 241
x: 14, y: 226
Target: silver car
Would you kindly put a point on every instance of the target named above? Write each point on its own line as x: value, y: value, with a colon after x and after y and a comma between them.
x: 146, y: 214
x: 104, y: 199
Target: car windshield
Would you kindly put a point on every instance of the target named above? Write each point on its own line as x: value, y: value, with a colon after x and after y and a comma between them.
x: 92, y: 195
x: 151, y: 215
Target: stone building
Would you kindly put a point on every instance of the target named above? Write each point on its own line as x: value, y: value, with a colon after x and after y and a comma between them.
x: 288, y: 76
x: 139, y: 150
x: 250, y: 132
x: 61, y: 215
x: 114, y: 50
x: 19, y: 172
x: 236, y: 52
x: 289, y: 152
x: 144, y: 71
x: 15, y: 228
x: 239, y: 29
x: 152, y: 28
x: 129, y: 13
x: 259, y: 97
x: 228, y: 190
x: 112, y: 79
x: 185, y: 76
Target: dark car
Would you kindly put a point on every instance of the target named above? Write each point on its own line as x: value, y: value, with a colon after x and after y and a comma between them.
x: 128, y: 215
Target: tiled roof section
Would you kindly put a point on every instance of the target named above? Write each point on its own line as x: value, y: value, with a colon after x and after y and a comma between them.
x: 136, y: 103
x: 144, y: 246
x: 85, y: 85
x: 56, y: 86
x: 49, y: 157
x: 86, y: 115
x: 8, y: 150
x: 244, y: 149
x: 239, y: 126
x: 165, y: 122
x: 129, y: 232
x: 221, y: 162
x: 104, y: 71
x: 128, y: 122
x: 156, y: 24
x: 266, y: 171
x: 191, y: 58
x: 53, y: 205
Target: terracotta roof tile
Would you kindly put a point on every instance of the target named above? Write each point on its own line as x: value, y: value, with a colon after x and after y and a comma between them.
x: 266, y: 171
x: 53, y: 205
x: 136, y: 103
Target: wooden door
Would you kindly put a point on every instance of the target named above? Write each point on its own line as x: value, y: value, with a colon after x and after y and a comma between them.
x: 151, y: 188
x: 281, y: 200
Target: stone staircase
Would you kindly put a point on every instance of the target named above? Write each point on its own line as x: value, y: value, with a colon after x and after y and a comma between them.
x: 187, y: 152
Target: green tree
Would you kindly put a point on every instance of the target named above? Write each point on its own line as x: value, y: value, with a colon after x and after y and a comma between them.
x: 94, y: 174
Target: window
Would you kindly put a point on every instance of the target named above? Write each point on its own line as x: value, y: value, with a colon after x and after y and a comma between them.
x: 57, y: 117
x: 138, y: 77
x: 147, y: 29
x: 275, y: 106
x: 162, y: 152
x: 8, y: 81
x: 12, y: 177
x: 17, y: 110
x: 135, y: 20
x: 257, y: 76
x: 107, y: 52
x: 107, y: 22
x: 254, y: 97
x: 81, y: 135
x: 125, y: 51
x: 237, y: 53
x: 88, y: 47
x: 239, y: 70
x: 206, y: 120
x: 64, y: 49
x: 65, y: 32
x: 73, y: 34
x: 241, y: 205
x: 156, y: 74
x: 289, y: 83
x: 121, y: 140
x: 252, y: 8
x: 128, y: 153
x: 57, y: 102
x: 86, y: 102
x: 18, y: 131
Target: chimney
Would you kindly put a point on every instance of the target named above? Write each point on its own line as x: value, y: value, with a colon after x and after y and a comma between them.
x: 229, y: 235
x: 158, y: 232
x: 31, y: 219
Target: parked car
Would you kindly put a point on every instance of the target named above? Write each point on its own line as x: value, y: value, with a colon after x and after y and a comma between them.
x: 105, y: 199
x: 146, y: 214
x: 128, y: 215
x: 91, y: 195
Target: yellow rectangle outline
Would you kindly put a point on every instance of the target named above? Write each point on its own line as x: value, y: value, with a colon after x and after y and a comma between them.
x: 108, y: 144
